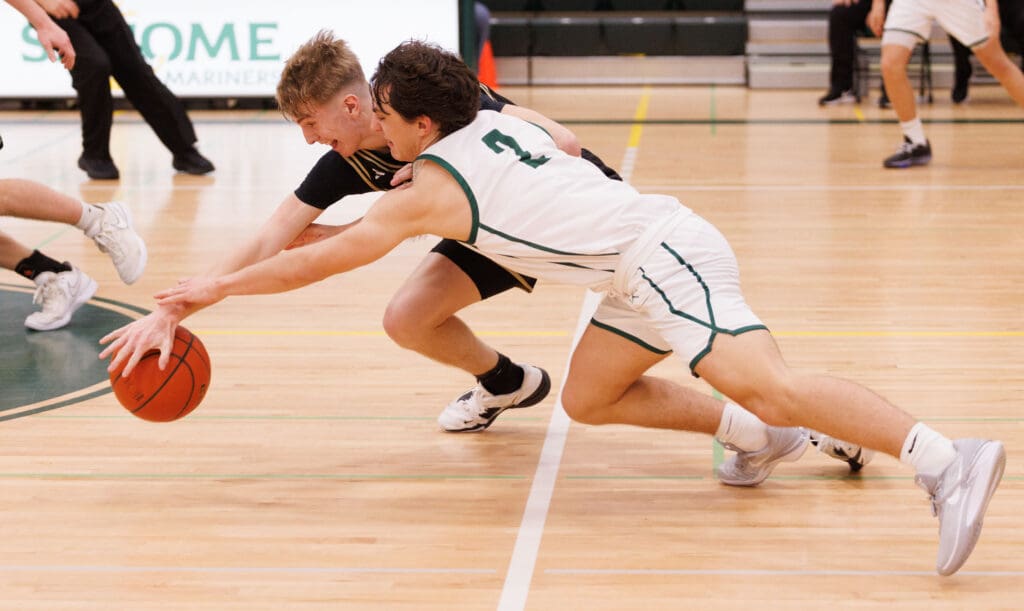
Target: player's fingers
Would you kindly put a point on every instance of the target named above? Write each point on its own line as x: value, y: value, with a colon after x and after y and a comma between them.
x: 165, y: 350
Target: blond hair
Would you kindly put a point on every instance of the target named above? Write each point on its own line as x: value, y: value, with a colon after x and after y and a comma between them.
x: 320, y: 69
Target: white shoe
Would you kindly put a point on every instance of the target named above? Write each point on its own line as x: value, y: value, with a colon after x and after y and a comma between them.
x: 476, y: 409
x: 59, y: 295
x: 960, y: 496
x: 785, y: 444
x: 116, y: 237
x: 852, y: 454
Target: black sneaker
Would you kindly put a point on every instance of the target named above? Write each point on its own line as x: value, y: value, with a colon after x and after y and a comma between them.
x: 909, y: 154
x: 836, y: 96
x: 99, y: 169
x: 191, y: 162
x: 883, y: 100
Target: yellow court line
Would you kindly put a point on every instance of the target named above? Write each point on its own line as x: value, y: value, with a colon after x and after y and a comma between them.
x: 639, y: 117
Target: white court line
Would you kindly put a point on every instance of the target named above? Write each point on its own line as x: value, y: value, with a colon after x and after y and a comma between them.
x: 531, y: 529
x: 93, y: 568
x: 773, y: 573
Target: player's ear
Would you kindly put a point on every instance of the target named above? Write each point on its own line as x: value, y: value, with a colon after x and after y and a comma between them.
x: 424, y: 125
x: 352, y: 104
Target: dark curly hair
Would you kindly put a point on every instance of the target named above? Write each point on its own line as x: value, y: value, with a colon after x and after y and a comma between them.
x: 421, y: 79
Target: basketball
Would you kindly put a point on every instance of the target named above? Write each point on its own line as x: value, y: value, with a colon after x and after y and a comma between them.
x: 170, y: 394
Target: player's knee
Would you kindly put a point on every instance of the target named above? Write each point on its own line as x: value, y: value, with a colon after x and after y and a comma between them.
x: 892, y: 65
x: 402, y: 324
x: 583, y: 407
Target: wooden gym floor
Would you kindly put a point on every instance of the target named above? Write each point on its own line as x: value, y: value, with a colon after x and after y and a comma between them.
x: 314, y: 477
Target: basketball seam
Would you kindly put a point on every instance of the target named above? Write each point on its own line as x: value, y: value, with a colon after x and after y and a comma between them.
x: 169, y: 375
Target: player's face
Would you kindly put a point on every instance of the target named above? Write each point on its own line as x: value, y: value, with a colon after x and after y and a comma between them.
x: 403, y: 137
x: 335, y: 124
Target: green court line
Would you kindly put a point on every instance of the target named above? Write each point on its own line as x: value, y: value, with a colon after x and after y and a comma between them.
x: 713, y: 111
x: 46, y: 408
x: 53, y: 237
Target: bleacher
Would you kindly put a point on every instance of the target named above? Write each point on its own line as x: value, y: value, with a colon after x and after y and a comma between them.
x: 539, y: 42
x: 758, y: 43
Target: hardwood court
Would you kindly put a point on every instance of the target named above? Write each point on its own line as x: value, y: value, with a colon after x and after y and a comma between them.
x: 313, y: 475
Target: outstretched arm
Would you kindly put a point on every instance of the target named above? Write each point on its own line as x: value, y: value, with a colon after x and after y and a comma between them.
x: 394, y: 217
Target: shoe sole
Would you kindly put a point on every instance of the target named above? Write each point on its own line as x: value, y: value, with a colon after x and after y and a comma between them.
x: 901, y: 165
x: 536, y: 397
x: 974, y: 530
x: 89, y: 292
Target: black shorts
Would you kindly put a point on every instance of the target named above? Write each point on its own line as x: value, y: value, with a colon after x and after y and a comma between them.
x: 489, y: 277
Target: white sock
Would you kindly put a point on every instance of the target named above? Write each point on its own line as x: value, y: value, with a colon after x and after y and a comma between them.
x: 928, y: 452
x: 741, y: 429
x: 90, y: 220
x: 914, y: 130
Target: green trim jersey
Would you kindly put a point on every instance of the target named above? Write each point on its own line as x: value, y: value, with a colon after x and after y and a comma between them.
x: 671, y: 279
x: 539, y: 211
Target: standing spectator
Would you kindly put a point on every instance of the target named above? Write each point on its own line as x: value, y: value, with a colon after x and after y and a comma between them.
x: 845, y: 19
x: 106, y: 47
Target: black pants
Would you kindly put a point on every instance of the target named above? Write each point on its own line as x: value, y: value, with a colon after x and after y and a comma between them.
x: 843, y: 24
x: 105, y: 47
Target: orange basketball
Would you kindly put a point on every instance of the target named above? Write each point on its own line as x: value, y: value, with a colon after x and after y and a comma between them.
x: 163, y: 396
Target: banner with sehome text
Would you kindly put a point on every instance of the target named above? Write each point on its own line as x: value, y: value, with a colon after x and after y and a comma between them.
x: 200, y: 48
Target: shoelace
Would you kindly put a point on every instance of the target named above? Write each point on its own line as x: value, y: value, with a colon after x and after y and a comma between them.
x: 48, y: 294
x: 109, y: 245
x: 906, y: 147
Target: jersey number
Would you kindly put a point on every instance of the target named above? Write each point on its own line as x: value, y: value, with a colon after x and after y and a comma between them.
x: 494, y: 139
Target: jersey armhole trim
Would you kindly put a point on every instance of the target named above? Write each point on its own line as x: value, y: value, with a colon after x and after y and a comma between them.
x: 474, y: 210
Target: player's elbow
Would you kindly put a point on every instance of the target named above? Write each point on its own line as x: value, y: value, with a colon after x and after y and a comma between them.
x: 567, y: 141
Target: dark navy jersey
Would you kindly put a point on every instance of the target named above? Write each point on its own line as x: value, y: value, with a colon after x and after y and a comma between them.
x: 333, y: 177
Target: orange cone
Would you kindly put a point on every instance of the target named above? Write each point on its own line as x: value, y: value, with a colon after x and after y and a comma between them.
x: 487, y: 72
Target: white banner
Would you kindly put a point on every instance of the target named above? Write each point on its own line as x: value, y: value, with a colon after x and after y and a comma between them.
x: 201, y: 48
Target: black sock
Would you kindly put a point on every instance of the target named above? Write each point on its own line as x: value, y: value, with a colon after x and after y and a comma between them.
x: 506, y: 377
x: 36, y: 263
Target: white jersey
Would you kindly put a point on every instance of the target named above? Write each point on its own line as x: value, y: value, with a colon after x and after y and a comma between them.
x: 542, y: 212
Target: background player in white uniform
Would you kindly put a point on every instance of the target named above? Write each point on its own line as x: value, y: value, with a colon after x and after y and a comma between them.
x: 672, y: 278
x: 975, y: 23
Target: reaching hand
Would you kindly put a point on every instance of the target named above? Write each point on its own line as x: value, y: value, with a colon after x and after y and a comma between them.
x: 200, y: 291
x: 130, y: 343
x: 402, y: 176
